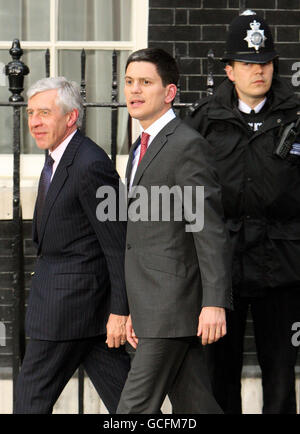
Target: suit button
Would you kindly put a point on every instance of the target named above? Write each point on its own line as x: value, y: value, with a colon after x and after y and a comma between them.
x: 128, y: 246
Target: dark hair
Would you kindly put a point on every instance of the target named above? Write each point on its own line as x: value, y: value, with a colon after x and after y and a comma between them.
x: 166, y: 65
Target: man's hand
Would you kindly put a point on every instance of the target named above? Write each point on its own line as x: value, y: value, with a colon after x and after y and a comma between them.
x: 131, y: 336
x: 116, y: 331
x: 212, y: 324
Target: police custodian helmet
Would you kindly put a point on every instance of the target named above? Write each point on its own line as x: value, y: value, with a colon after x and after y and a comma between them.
x: 249, y: 40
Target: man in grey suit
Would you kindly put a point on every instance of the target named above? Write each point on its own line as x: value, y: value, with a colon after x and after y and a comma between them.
x: 177, y: 275
x: 77, y: 305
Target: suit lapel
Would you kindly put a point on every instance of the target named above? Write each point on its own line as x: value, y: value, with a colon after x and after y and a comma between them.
x: 34, y: 227
x: 154, y: 148
x: 59, y: 178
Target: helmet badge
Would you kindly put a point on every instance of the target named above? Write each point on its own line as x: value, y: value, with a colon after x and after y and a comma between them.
x: 255, y: 36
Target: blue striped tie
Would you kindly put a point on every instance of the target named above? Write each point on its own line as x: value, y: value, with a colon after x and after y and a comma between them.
x: 44, y: 184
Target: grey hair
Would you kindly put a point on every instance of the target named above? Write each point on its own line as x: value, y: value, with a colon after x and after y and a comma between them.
x: 69, y: 97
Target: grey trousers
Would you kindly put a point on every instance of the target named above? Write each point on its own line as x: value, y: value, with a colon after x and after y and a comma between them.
x: 173, y: 367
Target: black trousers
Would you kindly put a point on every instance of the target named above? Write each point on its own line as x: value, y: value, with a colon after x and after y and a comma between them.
x: 171, y: 366
x: 273, y: 316
x: 48, y: 366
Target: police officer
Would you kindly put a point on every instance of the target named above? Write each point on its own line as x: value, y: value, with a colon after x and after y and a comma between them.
x: 244, y: 122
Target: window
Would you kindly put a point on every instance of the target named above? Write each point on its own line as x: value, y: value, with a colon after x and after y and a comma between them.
x: 65, y: 27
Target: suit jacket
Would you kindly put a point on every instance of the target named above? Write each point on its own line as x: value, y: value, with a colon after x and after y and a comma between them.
x: 79, y: 274
x: 171, y: 273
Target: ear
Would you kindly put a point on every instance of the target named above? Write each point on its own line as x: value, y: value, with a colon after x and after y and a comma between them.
x: 229, y: 71
x: 72, y: 119
x: 171, y: 90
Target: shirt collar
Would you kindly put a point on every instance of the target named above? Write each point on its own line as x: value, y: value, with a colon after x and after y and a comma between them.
x: 58, y: 152
x: 159, y: 124
x: 243, y: 107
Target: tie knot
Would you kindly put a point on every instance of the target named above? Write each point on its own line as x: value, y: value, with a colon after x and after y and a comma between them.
x: 49, y: 161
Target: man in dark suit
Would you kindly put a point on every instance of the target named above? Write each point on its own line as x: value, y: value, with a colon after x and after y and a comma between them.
x: 77, y: 306
x: 177, y: 276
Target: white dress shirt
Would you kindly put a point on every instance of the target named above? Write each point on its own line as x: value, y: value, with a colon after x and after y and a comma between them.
x: 58, y: 152
x: 153, y: 130
x: 243, y: 107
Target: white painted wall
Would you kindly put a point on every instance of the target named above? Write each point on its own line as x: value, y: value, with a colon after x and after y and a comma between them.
x: 68, y: 401
x: 31, y: 166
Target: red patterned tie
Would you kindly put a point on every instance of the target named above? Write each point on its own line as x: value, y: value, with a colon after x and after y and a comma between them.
x: 144, y: 144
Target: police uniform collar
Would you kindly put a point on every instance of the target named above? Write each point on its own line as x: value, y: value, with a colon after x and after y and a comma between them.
x: 243, y: 107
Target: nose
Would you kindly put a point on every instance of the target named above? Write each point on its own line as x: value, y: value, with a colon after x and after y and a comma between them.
x: 34, y: 120
x: 258, y: 68
x: 136, y: 87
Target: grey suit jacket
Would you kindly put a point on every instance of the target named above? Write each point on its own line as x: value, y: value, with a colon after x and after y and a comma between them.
x: 171, y: 273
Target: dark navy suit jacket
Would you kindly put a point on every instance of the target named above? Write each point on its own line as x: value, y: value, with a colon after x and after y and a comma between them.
x: 79, y: 274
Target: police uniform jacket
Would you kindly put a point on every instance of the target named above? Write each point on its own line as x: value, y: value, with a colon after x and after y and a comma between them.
x: 260, y: 191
